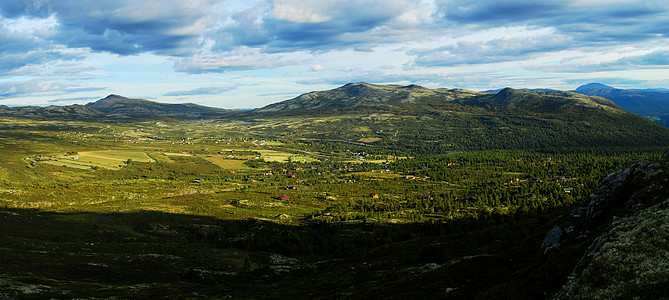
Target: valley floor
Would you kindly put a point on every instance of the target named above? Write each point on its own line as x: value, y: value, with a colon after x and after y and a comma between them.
x: 213, y: 210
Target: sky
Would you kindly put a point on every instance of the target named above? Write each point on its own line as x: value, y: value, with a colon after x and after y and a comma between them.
x: 250, y: 53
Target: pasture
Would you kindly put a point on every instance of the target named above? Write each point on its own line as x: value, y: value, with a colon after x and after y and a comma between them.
x: 280, y: 156
x: 108, y: 159
x: 226, y: 163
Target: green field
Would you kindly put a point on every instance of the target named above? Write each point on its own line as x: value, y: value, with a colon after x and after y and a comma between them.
x: 109, y: 159
x: 279, y: 156
x: 226, y: 163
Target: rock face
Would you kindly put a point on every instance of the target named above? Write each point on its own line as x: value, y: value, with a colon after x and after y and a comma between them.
x: 630, y: 259
x: 552, y: 239
x: 633, y: 187
x: 606, y: 192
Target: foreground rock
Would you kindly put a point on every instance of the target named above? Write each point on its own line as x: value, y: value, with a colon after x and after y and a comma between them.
x: 552, y: 239
x: 630, y: 259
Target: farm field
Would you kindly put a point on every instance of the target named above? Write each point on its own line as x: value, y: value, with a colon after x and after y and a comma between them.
x: 226, y: 163
x: 279, y: 156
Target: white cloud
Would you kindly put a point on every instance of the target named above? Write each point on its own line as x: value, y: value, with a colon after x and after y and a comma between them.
x: 298, y: 13
x: 31, y: 26
x: 148, y: 46
x: 415, y: 15
x: 241, y: 59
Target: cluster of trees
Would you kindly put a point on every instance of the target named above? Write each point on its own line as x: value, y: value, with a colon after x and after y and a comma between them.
x: 481, y: 184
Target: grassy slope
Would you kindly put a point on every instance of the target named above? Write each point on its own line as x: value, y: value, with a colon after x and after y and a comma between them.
x: 150, y: 254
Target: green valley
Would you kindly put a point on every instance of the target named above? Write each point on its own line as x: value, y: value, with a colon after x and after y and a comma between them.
x: 407, y: 193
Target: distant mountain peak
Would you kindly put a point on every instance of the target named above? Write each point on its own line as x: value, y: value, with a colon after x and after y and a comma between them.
x: 119, y: 105
x: 114, y: 97
x: 593, y: 85
x: 361, y: 83
x: 414, y: 87
x: 508, y: 91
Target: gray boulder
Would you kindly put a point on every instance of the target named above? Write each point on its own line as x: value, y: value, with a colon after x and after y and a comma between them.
x: 608, y: 189
x: 552, y: 239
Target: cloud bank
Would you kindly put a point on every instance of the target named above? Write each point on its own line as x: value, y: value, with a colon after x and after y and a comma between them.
x: 420, y: 39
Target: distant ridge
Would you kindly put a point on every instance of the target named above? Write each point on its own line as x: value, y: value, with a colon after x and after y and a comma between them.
x: 69, y: 112
x: 526, y: 90
x: 405, y: 117
x: 593, y: 85
x: 117, y: 108
x: 650, y: 103
x: 362, y: 96
x: 119, y: 105
x: 351, y: 97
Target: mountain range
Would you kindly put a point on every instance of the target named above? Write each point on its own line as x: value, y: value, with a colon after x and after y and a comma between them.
x: 507, y: 119
x: 361, y: 96
x: 652, y: 104
x: 418, y: 119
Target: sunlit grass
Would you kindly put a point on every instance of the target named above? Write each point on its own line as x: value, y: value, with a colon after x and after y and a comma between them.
x: 226, y: 163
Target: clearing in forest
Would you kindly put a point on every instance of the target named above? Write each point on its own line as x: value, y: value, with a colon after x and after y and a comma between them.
x: 108, y: 159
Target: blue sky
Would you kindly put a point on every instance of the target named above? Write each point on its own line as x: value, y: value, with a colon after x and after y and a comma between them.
x: 249, y: 53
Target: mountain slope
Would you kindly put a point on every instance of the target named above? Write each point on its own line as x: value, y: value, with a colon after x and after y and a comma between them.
x: 420, y: 120
x: 117, y: 108
x: 539, y: 101
x: 118, y: 105
x: 406, y: 118
x: 70, y: 112
x: 356, y: 97
x: 651, y: 103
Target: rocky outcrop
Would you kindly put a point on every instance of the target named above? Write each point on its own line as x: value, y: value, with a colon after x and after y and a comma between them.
x: 630, y: 258
x: 628, y: 261
x: 552, y: 239
x: 606, y: 193
x: 628, y: 189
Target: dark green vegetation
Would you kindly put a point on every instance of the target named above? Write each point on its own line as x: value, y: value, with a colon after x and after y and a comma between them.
x: 413, y: 120
x: 445, y: 197
x: 652, y: 104
x: 116, y: 106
